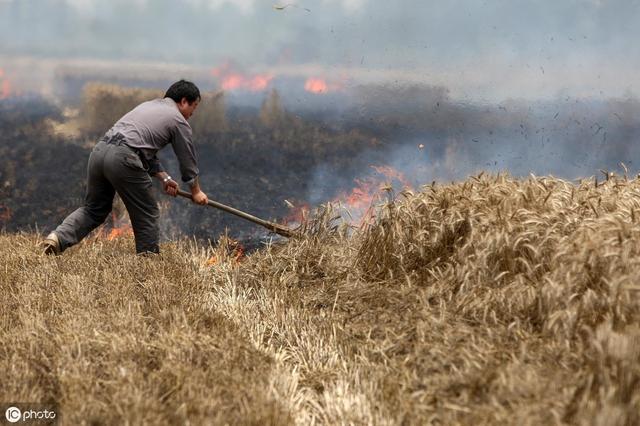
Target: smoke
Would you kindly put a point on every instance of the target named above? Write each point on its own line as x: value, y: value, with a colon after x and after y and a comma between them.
x: 479, y: 50
x: 255, y: 159
x: 428, y: 137
x: 436, y: 90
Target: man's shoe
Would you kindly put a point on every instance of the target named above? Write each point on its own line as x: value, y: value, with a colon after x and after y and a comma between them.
x: 51, y: 245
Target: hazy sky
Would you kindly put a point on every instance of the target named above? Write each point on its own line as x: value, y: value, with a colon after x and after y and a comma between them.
x: 479, y: 49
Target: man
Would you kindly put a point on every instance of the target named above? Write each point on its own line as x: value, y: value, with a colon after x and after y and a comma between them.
x: 123, y: 162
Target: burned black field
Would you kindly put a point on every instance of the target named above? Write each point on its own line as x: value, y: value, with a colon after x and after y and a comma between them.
x: 274, y: 162
x: 252, y: 163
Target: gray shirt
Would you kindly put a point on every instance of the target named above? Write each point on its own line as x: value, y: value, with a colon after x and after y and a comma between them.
x: 151, y: 126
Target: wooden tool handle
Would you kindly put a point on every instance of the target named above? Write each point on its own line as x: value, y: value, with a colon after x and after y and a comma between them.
x: 273, y: 227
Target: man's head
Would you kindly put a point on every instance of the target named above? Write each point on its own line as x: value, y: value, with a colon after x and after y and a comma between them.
x: 186, y: 95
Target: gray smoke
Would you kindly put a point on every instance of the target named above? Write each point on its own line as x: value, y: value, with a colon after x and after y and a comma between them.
x: 479, y: 49
x: 449, y: 88
x: 431, y: 137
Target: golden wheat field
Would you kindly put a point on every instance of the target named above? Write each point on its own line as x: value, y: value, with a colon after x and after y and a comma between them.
x: 490, y: 301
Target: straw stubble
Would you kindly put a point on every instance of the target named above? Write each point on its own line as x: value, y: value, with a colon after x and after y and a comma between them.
x: 493, y: 300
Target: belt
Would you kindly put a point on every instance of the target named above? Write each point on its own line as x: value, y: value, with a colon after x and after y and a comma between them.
x: 119, y: 140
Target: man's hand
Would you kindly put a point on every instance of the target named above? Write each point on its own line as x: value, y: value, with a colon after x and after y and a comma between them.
x: 199, y: 198
x: 197, y: 195
x: 170, y: 187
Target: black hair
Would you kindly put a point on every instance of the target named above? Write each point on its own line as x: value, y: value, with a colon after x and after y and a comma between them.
x: 183, y: 89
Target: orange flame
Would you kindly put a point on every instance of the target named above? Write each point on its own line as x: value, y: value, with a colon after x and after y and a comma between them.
x: 239, y: 253
x: 121, y: 228
x: 5, y: 214
x: 392, y: 174
x: 315, y: 85
x: 320, y: 86
x: 359, y: 202
x: 234, y: 252
x: 298, y: 213
x: 121, y: 231
x: 234, y: 80
x: 5, y: 85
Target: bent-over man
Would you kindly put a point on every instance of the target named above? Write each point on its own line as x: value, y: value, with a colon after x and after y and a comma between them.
x: 123, y: 161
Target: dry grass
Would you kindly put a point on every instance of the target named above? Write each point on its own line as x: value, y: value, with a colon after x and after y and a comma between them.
x: 491, y: 301
x: 111, y: 336
x: 104, y: 104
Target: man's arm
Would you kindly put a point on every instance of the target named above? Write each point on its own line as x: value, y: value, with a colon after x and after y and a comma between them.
x: 185, y: 152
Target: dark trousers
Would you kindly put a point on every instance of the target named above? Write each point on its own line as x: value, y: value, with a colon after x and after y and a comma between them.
x: 115, y: 168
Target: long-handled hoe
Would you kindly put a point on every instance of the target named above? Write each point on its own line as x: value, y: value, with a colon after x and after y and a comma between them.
x: 273, y: 227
